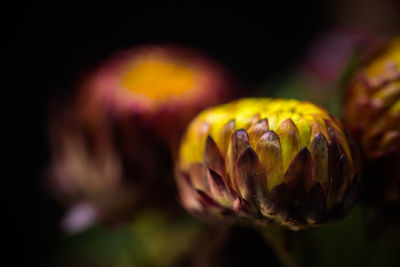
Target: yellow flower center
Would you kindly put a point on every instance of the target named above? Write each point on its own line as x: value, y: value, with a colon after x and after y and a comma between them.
x: 158, y: 79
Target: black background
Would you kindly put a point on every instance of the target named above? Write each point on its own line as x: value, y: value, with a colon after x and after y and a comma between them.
x: 52, y: 44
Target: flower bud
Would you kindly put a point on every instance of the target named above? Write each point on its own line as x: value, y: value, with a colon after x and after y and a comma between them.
x: 372, y: 114
x: 112, y: 146
x: 161, y: 87
x: 268, y: 160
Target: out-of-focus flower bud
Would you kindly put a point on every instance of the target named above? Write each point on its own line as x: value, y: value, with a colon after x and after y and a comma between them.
x: 268, y: 160
x: 163, y: 87
x: 112, y: 146
x: 328, y: 63
x: 372, y: 114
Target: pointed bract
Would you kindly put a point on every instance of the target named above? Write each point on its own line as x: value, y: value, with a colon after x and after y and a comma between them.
x: 319, y: 153
x: 213, y: 158
x: 290, y: 141
x: 251, y: 177
x: 269, y: 149
x: 299, y: 173
x: 256, y: 131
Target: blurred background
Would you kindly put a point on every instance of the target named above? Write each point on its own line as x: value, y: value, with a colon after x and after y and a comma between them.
x: 295, y: 49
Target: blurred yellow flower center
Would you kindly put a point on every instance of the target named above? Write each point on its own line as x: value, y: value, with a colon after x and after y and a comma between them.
x: 158, y: 79
x: 391, y: 56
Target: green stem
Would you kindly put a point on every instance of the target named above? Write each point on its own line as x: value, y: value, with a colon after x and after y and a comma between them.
x: 276, y: 240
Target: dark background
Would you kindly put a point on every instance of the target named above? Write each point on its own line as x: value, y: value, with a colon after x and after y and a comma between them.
x: 53, y: 44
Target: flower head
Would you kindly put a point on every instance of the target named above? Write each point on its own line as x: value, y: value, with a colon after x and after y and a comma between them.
x: 372, y: 114
x: 114, y: 142
x: 162, y: 86
x: 372, y: 108
x: 272, y: 160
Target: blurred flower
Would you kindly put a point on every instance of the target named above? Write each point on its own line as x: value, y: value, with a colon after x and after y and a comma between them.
x: 327, y: 62
x: 112, y: 146
x: 372, y: 108
x: 268, y: 160
x: 372, y: 114
x: 162, y: 86
x: 324, y: 68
